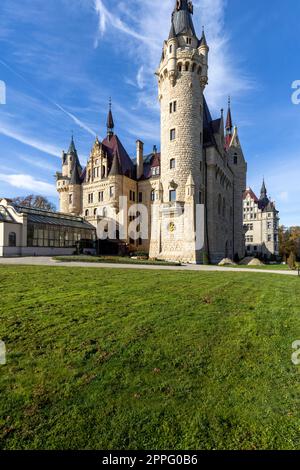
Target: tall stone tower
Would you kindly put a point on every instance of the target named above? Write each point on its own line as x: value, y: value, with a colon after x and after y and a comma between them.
x: 182, y: 77
x: 69, y: 184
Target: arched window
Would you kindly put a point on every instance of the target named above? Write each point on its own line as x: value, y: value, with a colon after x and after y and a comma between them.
x: 172, y: 163
x: 95, y: 211
x: 87, y: 213
x: 219, y: 204
x: 104, y: 212
x: 187, y: 66
x: 179, y: 67
x: 12, y: 239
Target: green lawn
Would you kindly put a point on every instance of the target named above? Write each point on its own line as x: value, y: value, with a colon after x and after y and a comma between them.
x: 268, y: 267
x: 118, y: 359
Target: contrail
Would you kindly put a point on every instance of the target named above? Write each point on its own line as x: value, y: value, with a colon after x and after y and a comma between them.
x: 70, y: 115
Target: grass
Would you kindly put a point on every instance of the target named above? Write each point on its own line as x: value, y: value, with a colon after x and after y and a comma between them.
x: 268, y: 267
x: 148, y: 360
x: 112, y: 259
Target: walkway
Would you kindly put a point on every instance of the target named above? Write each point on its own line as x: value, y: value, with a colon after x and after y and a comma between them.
x: 45, y: 261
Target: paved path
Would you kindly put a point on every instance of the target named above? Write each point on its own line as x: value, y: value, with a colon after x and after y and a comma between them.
x: 47, y: 261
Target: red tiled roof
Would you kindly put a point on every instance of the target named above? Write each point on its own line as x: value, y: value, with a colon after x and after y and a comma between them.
x: 113, y: 146
x: 251, y: 194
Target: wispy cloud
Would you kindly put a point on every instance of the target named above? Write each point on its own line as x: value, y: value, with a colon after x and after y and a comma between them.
x: 38, y: 163
x: 76, y: 120
x: 30, y: 141
x: 29, y: 183
x: 150, y: 22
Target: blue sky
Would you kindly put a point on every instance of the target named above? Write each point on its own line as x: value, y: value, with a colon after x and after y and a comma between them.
x: 61, y: 60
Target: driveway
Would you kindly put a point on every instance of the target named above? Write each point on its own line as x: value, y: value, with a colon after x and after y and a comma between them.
x: 48, y: 261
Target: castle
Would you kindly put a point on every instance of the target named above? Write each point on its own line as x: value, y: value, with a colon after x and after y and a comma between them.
x: 261, y: 221
x: 200, y: 163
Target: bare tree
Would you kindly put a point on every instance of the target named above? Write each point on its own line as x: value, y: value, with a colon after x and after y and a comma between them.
x: 40, y: 202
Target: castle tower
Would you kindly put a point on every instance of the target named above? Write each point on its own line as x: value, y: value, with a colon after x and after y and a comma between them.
x: 238, y: 166
x: 69, y: 182
x: 182, y: 77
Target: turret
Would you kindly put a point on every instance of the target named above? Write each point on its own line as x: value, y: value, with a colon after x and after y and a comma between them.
x: 185, y: 66
x: 69, y: 181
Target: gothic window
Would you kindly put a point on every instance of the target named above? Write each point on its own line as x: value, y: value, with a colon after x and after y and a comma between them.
x: 172, y: 195
x: 12, y: 239
x: 172, y: 134
x: 172, y: 163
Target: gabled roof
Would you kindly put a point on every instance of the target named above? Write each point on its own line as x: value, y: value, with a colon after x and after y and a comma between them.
x: 112, y: 146
x: 150, y: 161
x: 250, y: 193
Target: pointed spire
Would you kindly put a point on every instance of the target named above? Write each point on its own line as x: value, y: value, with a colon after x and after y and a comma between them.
x: 115, y: 168
x: 203, y: 41
x: 75, y: 175
x: 182, y: 18
x: 229, y: 124
x: 110, y: 121
x: 263, y: 191
x: 72, y: 148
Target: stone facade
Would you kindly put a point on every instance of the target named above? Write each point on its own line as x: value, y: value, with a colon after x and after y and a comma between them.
x: 261, y: 224
x: 193, y: 188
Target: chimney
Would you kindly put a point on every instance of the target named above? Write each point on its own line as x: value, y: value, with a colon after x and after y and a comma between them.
x: 139, y: 159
